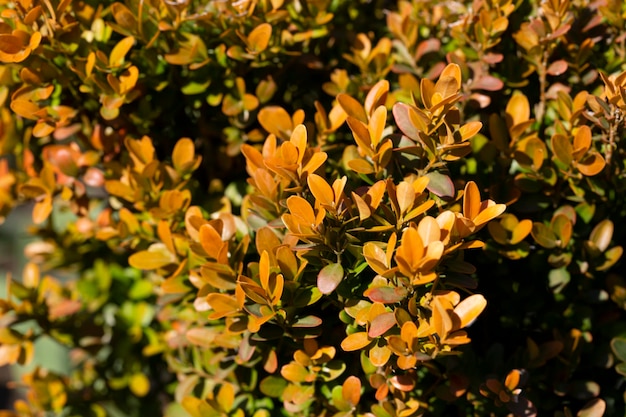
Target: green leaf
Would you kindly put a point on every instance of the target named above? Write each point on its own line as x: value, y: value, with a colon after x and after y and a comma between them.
x: 618, y: 345
x: 273, y: 386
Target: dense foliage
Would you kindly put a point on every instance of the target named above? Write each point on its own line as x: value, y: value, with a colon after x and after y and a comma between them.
x: 317, y: 208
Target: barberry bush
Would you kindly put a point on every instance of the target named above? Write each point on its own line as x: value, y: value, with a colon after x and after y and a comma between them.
x: 317, y: 208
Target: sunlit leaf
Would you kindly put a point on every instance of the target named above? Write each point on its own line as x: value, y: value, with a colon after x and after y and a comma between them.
x: 351, y: 390
x: 355, y: 341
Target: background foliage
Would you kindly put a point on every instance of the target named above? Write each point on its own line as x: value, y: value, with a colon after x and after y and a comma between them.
x: 299, y: 208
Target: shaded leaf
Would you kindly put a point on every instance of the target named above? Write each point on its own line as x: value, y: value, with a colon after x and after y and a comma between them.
x: 329, y: 278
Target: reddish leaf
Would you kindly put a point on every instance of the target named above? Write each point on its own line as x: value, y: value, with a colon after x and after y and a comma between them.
x: 386, y: 295
x: 381, y: 324
x: 329, y: 278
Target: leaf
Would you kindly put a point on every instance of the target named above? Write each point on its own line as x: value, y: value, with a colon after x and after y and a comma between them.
x: 322, y: 192
x: 222, y: 305
x: 470, y: 308
x: 618, y: 346
x: 441, y: 320
x: 123, y: 16
x: 471, y: 200
x: 329, y: 278
x: 512, y: 379
x: 275, y: 120
x: 259, y: 38
x: 25, y: 108
x: 139, y: 384
x: 594, y: 408
x: 183, y: 155
x: 403, y: 120
x: 592, y: 164
x: 441, y: 185
x: 602, y: 234
x: 489, y: 214
x: 211, y: 242
x: 469, y: 130
x: 520, y: 231
x: 351, y: 390
x: 377, y: 125
x: 377, y: 96
x: 355, y: 341
x: 517, y: 110
x: 273, y: 386
x: 543, y: 235
x: 352, y: 107
x: 307, y: 322
x: 116, y: 58
x: 157, y: 256
x: 381, y: 324
x: 386, y: 295
x: 449, y: 81
x: 557, y: 67
x: 562, y: 149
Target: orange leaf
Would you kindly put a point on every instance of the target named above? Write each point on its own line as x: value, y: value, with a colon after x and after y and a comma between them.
x: 294, y: 372
x: 592, y: 164
x: 222, y: 305
x: 512, y: 380
x: 355, y: 341
x: 441, y: 319
x: 351, y: 390
x: 276, y: 120
x: 259, y: 38
x: 377, y: 96
x: 212, y: 243
x: 322, y: 192
x: 377, y: 124
x: 517, y: 109
x: 471, y: 200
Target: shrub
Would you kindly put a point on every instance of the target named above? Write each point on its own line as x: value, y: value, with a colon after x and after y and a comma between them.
x: 317, y: 208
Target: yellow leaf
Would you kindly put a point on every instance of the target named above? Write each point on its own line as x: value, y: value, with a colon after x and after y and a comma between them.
x: 120, y: 50
x: 139, y: 384
x: 375, y: 258
x: 469, y: 309
x: 488, y: 214
x: 183, y: 155
x: 157, y: 256
x: 226, y: 396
